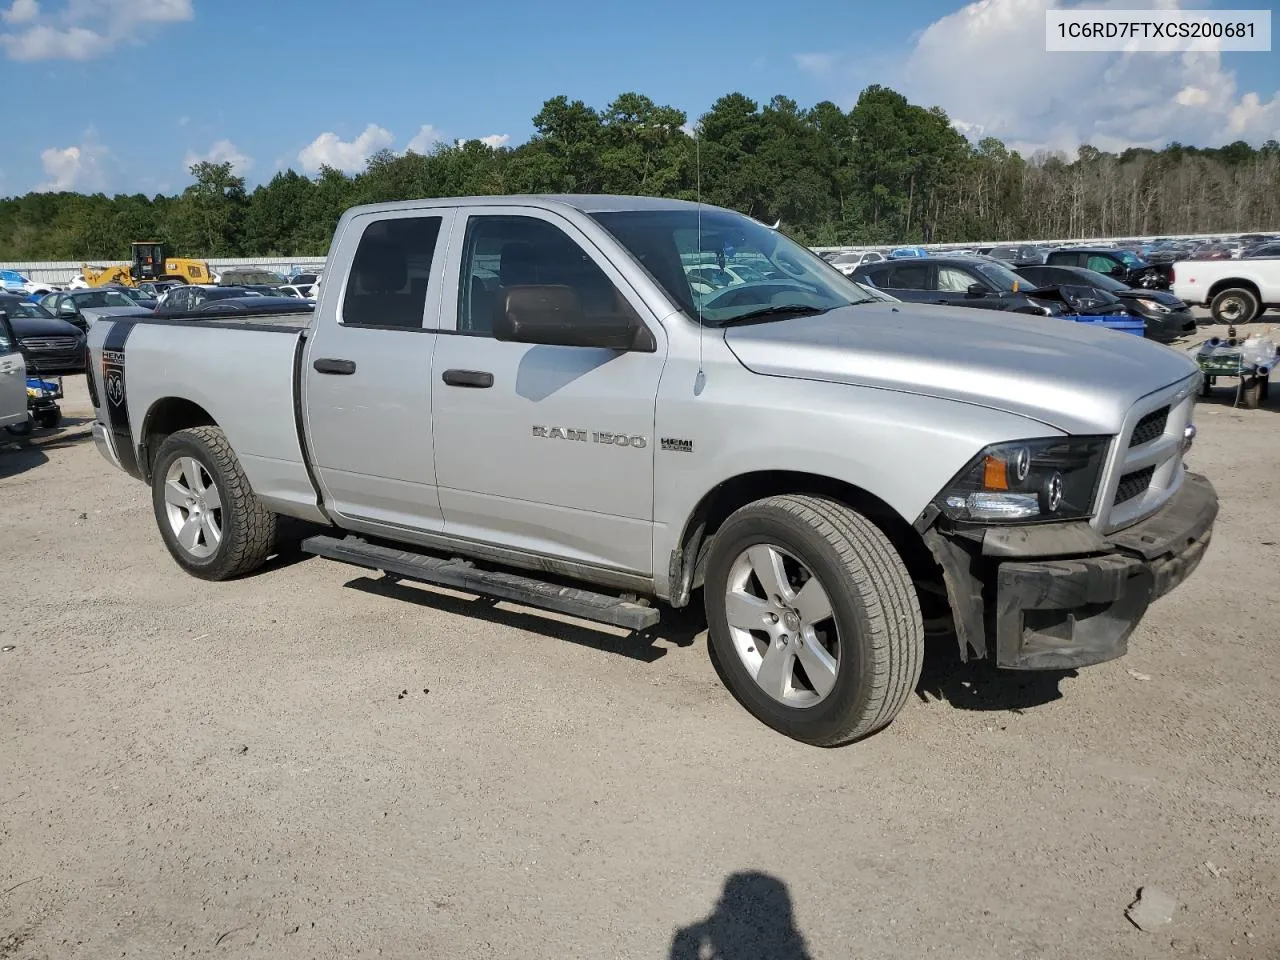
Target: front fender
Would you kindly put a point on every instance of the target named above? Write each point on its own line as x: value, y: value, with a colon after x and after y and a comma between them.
x: 901, y: 448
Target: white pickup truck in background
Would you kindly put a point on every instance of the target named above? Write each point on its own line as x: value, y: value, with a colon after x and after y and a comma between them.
x: 1236, y: 291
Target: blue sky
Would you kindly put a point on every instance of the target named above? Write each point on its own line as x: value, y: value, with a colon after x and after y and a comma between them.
x: 121, y: 95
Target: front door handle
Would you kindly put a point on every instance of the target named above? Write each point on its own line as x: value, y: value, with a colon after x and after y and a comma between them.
x: 467, y: 378
x: 331, y: 365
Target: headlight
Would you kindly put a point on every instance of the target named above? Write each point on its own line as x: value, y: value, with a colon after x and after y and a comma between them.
x: 1154, y: 305
x: 1053, y: 478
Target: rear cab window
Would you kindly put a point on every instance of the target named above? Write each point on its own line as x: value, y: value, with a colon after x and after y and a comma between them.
x: 390, y: 273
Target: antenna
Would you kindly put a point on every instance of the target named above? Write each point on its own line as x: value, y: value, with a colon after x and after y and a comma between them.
x: 697, y: 155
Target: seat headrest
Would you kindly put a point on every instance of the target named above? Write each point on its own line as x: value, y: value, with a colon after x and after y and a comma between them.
x: 381, y: 267
x: 519, y: 264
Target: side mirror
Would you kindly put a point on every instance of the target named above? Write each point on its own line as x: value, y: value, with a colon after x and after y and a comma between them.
x: 553, y: 316
x: 1119, y: 271
x: 976, y: 290
x: 67, y: 310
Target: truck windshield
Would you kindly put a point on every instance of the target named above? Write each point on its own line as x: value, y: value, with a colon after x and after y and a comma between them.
x: 722, y: 265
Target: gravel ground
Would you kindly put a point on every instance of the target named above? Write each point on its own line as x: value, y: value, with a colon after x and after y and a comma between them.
x: 305, y: 763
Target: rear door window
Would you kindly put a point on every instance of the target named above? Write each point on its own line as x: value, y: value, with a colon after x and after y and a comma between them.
x: 389, y: 274
x: 910, y: 276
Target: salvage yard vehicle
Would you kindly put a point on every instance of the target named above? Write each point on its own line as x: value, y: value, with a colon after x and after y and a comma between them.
x: 13, y: 379
x: 1165, y: 317
x: 1122, y: 264
x: 52, y: 347
x: 1235, y: 291
x: 522, y: 397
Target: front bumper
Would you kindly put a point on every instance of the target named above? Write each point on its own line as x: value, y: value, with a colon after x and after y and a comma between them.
x: 1059, y: 612
x: 1168, y: 327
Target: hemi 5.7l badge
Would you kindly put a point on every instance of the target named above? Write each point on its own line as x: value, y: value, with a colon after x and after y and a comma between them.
x: 569, y: 433
x: 677, y: 445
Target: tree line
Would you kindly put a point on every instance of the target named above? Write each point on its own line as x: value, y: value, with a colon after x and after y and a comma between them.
x: 886, y: 171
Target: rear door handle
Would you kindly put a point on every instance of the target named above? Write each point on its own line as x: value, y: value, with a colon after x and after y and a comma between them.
x: 331, y: 365
x: 467, y: 378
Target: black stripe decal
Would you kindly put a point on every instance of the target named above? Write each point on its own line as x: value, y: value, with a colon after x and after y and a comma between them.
x: 113, y: 391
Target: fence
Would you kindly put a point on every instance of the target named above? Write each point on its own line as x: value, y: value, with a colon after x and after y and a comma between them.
x: 61, y: 271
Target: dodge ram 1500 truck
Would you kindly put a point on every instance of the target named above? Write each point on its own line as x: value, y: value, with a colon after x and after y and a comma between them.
x: 526, y: 397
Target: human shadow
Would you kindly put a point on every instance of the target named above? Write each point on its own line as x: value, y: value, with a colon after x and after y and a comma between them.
x: 978, y: 685
x: 677, y: 627
x: 753, y: 920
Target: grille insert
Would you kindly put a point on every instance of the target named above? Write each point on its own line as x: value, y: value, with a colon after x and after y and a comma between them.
x: 1134, y: 484
x: 1150, y: 427
x: 49, y: 344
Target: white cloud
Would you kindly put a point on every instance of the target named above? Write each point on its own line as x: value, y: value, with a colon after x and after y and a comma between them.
x: 1034, y: 99
x: 223, y: 151
x: 426, y: 138
x: 348, y: 156
x: 183, y: 120
x: 73, y: 168
x: 496, y: 140
x: 22, y: 11
x: 816, y: 63
x: 85, y: 28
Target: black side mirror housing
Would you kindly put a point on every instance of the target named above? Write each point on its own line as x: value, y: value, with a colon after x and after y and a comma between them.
x: 553, y: 316
x: 976, y: 290
x: 1119, y: 271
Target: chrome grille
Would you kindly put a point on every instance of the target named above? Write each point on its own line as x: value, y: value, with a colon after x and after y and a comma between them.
x: 1134, y: 485
x: 50, y: 344
x: 1150, y: 427
x: 1145, y: 466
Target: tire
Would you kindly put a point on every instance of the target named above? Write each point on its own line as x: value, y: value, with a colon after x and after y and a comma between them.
x: 21, y: 429
x: 1236, y: 305
x: 878, y: 647
x: 246, y: 530
x: 48, y: 419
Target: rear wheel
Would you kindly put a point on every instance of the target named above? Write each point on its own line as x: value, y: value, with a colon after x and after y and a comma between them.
x: 813, y: 618
x: 212, y: 522
x: 1236, y: 305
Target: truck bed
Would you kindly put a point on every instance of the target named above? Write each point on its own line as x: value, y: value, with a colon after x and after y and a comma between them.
x: 242, y: 371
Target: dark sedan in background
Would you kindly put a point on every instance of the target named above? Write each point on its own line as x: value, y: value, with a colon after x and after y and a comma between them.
x: 51, y: 347
x: 1166, y: 318
x: 977, y: 281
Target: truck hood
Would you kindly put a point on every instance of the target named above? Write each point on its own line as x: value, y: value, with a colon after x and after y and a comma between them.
x: 1071, y: 376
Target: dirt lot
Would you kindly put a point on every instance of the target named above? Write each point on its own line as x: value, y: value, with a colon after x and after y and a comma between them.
x: 308, y: 764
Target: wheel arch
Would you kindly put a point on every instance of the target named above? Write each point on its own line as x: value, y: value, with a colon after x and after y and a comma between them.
x: 1234, y: 284
x: 165, y: 417
x: 688, y: 560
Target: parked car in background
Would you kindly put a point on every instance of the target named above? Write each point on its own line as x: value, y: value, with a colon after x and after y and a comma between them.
x: 847, y: 263
x: 1235, y: 291
x: 1262, y: 251
x: 905, y: 253
x: 1165, y: 317
x: 13, y: 378
x: 185, y: 299
x: 70, y: 304
x: 1018, y: 256
x: 50, y: 346
x: 959, y: 281
x: 1121, y: 264
x: 12, y: 281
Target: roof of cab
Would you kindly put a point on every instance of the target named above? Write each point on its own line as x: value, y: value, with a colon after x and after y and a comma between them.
x: 586, y: 203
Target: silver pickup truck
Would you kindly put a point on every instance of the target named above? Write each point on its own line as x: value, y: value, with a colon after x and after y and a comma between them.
x: 601, y: 405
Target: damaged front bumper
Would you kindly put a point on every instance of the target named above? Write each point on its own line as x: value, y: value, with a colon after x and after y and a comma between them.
x: 1060, y: 596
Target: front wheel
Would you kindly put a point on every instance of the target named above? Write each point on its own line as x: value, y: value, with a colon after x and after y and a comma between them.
x: 813, y: 618
x: 212, y: 522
